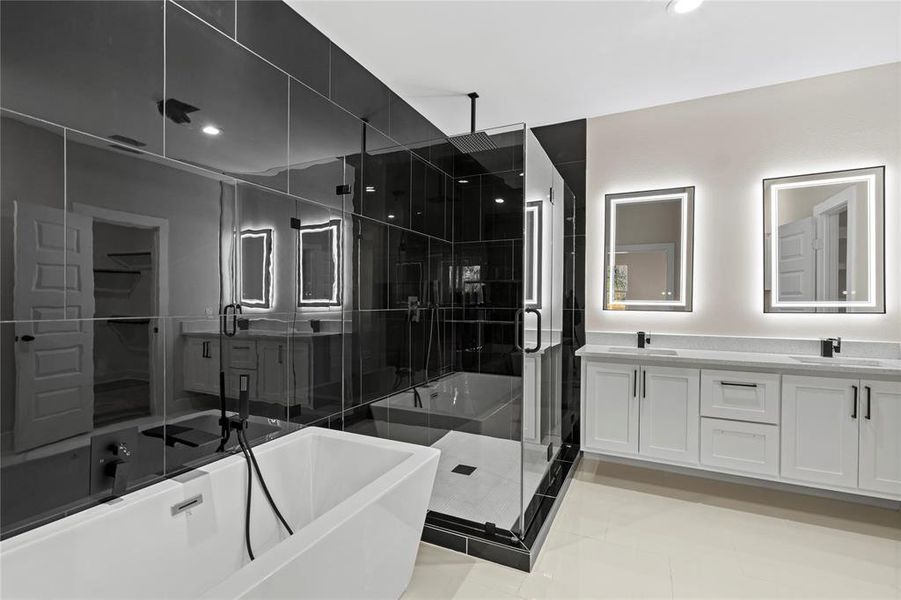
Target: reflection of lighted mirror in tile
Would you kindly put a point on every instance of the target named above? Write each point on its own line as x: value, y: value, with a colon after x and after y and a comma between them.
x: 532, y: 283
x: 319, y: 265
x: 256, y: 268
x: 649, y: 250
x: 821, y: 242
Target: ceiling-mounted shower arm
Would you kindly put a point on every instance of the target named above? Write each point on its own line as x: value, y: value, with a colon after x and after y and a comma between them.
x: 472, y: 111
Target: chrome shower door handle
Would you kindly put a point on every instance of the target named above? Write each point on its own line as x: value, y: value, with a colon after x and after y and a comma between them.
x: 538, y: 343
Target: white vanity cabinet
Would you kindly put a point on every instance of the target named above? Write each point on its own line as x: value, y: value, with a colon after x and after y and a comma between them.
x: 646, y: 411
x: 829, y: 432
x: 272, y: 376
x: 820, y: 430
x: 669, y: 412
x: 610, y: 417
x: 880, y: 437
x: 842, y: 432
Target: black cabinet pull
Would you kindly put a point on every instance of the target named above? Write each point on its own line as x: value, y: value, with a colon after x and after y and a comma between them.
x: 869, y: 402
x: 644, y: 384
x: 635, y: 383
x: 733, y: 384
x: 854, y: 414
x: 27, y: 338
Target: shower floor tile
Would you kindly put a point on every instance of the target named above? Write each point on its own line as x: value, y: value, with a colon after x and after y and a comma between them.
x: 491, y: 493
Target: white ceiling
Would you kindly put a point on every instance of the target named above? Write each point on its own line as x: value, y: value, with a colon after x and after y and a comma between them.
x: 549, y: 61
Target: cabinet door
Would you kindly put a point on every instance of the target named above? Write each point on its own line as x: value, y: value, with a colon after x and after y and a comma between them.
x: 272, y: 374
x: 819, y: 430
x: 201, y: 365
x: 610, y: 407
x: 880, y: 436
x: 193, y: 365
x: 670, y: 413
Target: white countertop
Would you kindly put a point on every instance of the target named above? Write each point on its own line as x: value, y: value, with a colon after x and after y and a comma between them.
x: 841, y: 366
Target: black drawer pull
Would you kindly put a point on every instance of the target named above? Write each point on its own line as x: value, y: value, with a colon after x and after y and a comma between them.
x: 869, y: 402
x: 644, y: 384
x: 635, y: 384
x: 854, y: 413
x: 733, y: 384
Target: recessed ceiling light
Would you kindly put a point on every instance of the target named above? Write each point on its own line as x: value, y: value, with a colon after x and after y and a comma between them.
x: 390, y: 216
x: 463, y: 181
x: 521, y: 174
x: 499, y: 200
x: 211, y: 130
x: 680, y: 7
x: 370, y: 188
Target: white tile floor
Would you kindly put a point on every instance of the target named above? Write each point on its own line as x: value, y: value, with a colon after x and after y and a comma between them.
x: 625, y: 532
x: 492, y: 492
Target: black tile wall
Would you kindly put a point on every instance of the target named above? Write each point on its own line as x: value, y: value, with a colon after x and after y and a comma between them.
x: 210, y: 81
x: 105, y: 59
x: 144, y: 226
x: 218, y: 13
x: 277, y: 33
x: 359, y: 91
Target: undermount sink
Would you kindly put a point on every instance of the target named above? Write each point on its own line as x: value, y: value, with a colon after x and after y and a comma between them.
x: 657, y: 351
x: 838, y: 361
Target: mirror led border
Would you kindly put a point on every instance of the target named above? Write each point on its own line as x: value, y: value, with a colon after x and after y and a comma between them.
x: 874, y: 177
x: 685, y: 195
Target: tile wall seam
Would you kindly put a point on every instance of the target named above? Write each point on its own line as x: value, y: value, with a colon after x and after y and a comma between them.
x: 317, y: 92
x: 201, y: 170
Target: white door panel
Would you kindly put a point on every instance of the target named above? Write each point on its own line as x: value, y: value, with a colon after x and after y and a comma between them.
x: 670, y: 413
x: 610, y: 413
x: 880, y: 437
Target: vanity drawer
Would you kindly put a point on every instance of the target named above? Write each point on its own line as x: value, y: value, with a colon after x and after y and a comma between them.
x: 242, y: 354
x: 740, y: 446
x: 740, y: 395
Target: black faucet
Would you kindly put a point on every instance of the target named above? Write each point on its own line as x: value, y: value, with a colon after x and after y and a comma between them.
x: 119, y: 467
x: 643, y: 338
x: 830, y: 346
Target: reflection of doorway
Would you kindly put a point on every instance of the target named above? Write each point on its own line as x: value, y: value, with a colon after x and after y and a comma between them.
x: 131, y: 280
x: 836, y: 223
x: 124, y: 278
x: 649, y: 273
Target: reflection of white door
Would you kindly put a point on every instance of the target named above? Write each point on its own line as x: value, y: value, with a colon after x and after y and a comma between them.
x: 797, y: 260
x: 54, y: 358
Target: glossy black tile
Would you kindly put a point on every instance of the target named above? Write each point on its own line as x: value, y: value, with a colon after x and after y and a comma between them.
x: 467, y: 209
x: 226, y: 109
x: 104, y: 58
x: 381, y: 350
x: 143, y: 234
x: 386, y: 180
x: 369, y: 264
x: 32, y: 234
x: 218, y: 13
x: 408, y: 267
x: 410, y: 128
x: 563, y: 142
x: 358, y: 90
x: 502, y: 206
x: 275, y: 31
x: 322, y: 136
x: 441, y: 273
x: 488, y: 274
x: 429, y: 205
x: 444, y: 538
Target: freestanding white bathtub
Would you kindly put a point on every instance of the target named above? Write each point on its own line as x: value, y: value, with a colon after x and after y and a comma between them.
x: 357, y: 506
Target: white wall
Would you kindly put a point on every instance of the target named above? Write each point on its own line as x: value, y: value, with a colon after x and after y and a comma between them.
x: 725, y: 146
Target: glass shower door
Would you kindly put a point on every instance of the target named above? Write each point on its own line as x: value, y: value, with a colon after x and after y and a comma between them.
x: 542, y: 322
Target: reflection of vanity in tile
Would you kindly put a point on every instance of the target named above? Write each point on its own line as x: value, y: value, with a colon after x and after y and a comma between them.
x: 275, y: 361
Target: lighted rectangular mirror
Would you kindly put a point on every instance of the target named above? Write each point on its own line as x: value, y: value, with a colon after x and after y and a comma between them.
x: 532, y: 252
x: 319, y: 265
x: 256, y: 268
x: 824, y: 242
x: 649, y: 250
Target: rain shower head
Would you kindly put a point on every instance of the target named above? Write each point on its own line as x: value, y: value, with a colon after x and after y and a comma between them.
x: 473, y: 141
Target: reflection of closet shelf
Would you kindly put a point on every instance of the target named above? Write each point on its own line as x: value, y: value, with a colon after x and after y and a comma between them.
x: 119, y: 282
x: 132, y: 260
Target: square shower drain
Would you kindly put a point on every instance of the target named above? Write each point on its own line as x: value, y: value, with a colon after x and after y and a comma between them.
x: 463, y: 469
